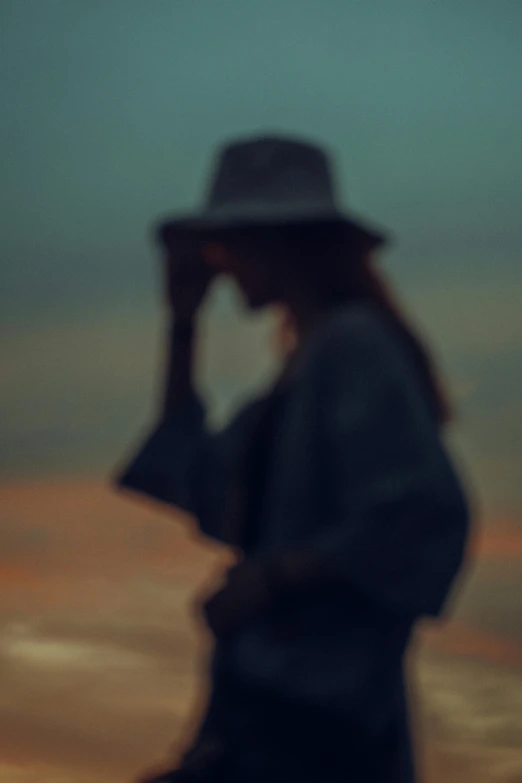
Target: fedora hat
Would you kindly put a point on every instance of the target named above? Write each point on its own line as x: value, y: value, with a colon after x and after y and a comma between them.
x: 265, y: 181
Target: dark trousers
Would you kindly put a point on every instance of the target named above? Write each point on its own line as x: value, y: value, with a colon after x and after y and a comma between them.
x: 272, y: 739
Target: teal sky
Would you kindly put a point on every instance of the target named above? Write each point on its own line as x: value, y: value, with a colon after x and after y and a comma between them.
x: 111, y: 110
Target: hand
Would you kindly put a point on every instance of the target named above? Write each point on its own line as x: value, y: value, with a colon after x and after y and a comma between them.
x: 250, y: 588
x: 187, y: 278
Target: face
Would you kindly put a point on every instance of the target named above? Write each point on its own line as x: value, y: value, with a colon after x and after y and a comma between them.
x: 255, y: 276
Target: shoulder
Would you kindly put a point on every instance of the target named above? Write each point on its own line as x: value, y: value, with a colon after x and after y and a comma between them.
x: 360, y: 332
x: 362, y: 355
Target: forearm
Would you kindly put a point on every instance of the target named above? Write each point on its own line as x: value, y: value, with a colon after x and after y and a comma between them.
x: 178, y: 384
x: 255, y: 585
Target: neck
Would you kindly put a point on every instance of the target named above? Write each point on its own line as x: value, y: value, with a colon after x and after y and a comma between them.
x: 305, y: 309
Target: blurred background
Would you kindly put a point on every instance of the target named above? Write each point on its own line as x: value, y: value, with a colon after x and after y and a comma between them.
x: 111, y: 110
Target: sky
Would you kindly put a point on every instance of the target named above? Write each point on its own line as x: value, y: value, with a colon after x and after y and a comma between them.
x: 112, y: 110
x: 113, y: 113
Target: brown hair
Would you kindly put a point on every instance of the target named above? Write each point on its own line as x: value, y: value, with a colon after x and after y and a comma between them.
x: 347, y: 272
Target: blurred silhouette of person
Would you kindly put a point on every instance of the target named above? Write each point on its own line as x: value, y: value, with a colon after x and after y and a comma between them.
x: 334, y: 490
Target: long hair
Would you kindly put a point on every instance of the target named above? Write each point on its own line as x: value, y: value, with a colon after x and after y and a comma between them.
x: 339, y: 267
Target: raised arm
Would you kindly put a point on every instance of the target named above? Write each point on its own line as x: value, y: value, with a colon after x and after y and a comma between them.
x: 177, y: 462
x: 186, y: 282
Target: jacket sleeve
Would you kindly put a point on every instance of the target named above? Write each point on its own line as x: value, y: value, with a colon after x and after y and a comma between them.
x: 399, y: 515
x: 180, y: 464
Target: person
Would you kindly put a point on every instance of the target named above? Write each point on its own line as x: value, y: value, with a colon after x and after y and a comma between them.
x: 333, y: 489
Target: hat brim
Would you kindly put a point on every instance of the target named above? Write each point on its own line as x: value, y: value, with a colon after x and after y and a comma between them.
x: 206, y: 223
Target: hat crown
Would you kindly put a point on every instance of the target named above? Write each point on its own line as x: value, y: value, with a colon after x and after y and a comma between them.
x: 270, y: 180
x: 271, y: 170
